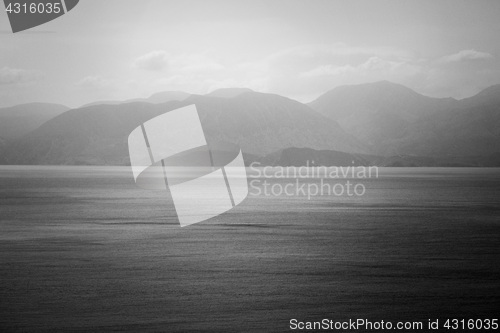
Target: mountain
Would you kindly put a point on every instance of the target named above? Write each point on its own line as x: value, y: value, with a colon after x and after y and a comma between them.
x: 377, y: 113
x: 166, y: 96
x: 395, y: 120
x: 157, y: 98
x: 492, y: 160
x: 229, y: 92
x: 3, y: 146
x: 470, y: 128
x: 18, y: 120
x: 311, y: 157
x: 91, y: 135
x: 392, y: 126
x: 488, y: 96
x: 263, y: 123
x: 258, y: 123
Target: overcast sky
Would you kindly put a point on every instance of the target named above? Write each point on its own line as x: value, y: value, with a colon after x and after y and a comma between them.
x: 120, y: 49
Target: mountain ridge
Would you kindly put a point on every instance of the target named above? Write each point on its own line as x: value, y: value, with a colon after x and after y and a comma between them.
x: 401, y: 121
x: 18, y: 120
x: 258, y: 123
x: 156, y: 98
x: 396, y: 121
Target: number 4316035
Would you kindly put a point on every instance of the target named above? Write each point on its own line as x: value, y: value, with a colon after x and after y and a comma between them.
x: 471, y: 324
x: 34, y: 8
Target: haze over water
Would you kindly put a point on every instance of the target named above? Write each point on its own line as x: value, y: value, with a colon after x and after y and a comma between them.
x: 84, y: 248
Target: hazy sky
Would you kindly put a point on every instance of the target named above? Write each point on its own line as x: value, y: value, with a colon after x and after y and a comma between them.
x: 120, y: 49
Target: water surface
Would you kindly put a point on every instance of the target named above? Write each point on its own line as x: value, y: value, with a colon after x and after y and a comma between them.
x: 82, y: 248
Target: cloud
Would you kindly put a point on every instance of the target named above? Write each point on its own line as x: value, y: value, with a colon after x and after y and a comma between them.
x: 312, y: 55
x: 93, y: 82
x: 466, y: 55
x: 460, y: 75
x: 373, y: 64
x: 326, y: 70
x: 304, y: 72
x: 183, y: 63
x: 153, y: 61
x: 10, y: 76
x: 196, y: 73
x: 305, y: 69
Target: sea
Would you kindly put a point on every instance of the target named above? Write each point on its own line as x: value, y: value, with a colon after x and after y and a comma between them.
x: 82, y: 248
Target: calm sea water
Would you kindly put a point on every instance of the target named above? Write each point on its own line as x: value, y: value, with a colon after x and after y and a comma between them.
x: 82, y: 248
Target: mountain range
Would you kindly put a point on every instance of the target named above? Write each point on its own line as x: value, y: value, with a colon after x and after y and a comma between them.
x: 18, y: 120
x: 378, y: 123
x: 258, y: 123
x: 395, y: 120
x: 160, y: 97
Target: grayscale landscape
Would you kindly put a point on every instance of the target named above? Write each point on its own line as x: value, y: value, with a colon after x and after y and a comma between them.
x: 313, y: 94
